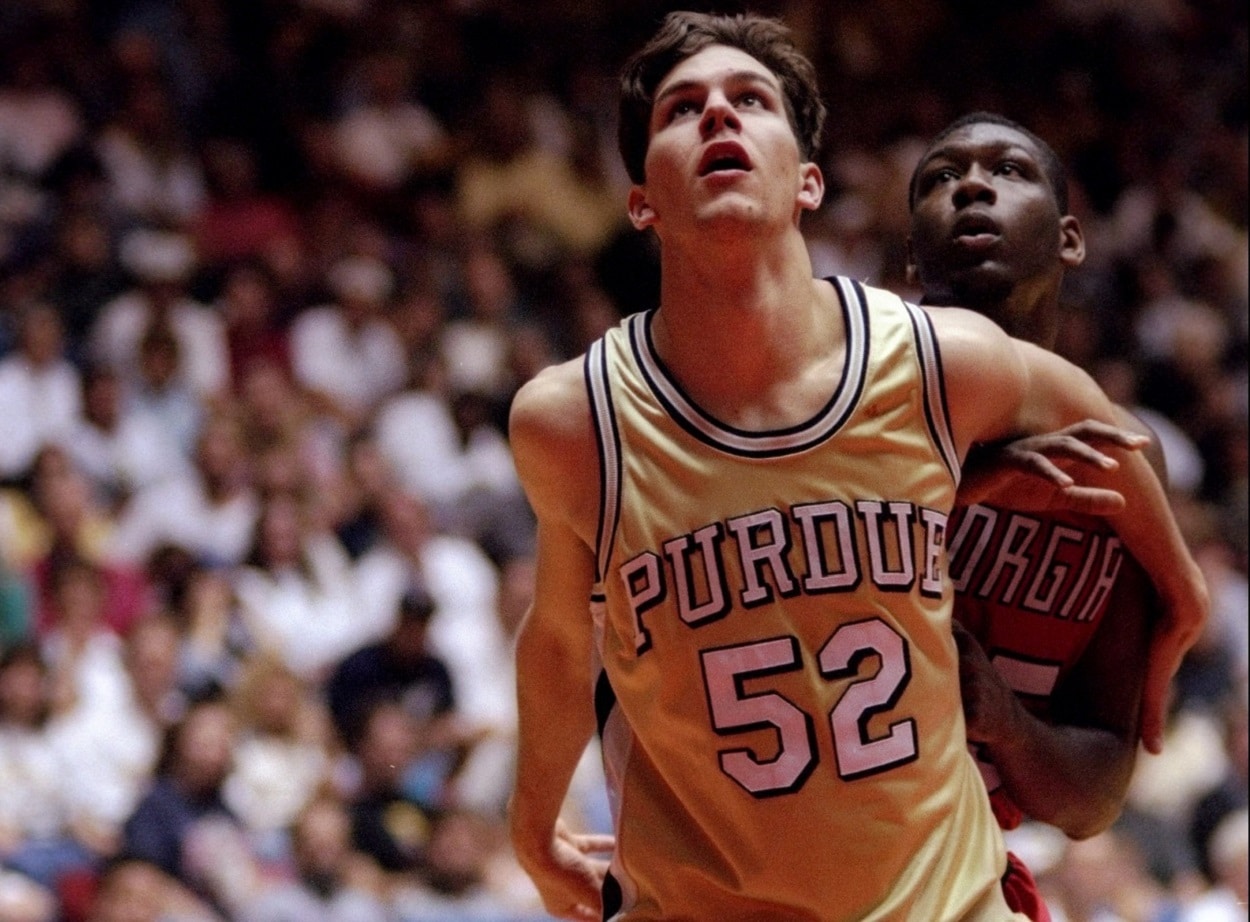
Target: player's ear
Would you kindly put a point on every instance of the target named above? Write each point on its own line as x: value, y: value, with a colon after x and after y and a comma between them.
x: 1071, y: 242
x: 811, y: 187
x: 641, y: 214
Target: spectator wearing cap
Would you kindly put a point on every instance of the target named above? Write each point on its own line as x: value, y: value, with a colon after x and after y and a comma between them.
x: 400, y: 667
x: 346, y: 353
x: 465, y: 630
x: 162, y: 264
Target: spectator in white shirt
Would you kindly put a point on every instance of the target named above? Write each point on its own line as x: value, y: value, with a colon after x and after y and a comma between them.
x: 160, y: 390
x: 122, y: 449
x: 40, y: 390
x: 296, y: 593
x: 346, y: 353
x: 152, y: 171
x: 162, y: 264
x: 387, y: 137
x: 35, y: 833
x: 209, y: 512
x: 110, y: 748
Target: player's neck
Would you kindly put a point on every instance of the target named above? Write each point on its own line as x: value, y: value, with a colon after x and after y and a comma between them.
x: 1025, y: 312
x: 1029, y: 313
x: 739, y: 279
x: 739, y: 340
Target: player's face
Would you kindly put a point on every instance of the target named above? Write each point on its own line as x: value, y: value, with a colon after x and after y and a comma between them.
x: 985, y: 220
x: 722, y: 148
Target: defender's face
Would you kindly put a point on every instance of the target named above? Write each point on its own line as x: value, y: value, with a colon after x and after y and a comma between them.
x: 985, y: 219
x: 722, y: 147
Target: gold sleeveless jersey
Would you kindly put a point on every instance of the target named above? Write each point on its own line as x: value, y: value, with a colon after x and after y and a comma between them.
x: 778, y: 698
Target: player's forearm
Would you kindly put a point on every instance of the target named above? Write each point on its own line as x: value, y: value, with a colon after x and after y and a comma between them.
x: 1074, y: 778
x: 555, y: 723
x: 1061, y: 394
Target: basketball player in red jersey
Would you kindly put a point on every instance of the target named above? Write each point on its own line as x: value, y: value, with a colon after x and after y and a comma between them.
x: 1056, y: 616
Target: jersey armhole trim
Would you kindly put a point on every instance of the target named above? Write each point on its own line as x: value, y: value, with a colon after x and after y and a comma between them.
x: 607, y: 437
x: 936, y: 410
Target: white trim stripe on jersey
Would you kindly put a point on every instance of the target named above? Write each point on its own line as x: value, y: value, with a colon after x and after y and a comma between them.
x: 596, y: 371
x: 936, y: 412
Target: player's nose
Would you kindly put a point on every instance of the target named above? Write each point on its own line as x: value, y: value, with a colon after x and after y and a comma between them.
x: 718, y: 113
x: 974, y: 186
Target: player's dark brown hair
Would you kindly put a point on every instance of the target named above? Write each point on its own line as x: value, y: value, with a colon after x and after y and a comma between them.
x: 685, y: 34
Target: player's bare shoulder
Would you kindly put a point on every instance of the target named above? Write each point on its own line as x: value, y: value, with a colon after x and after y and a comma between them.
x: 553, y: 443
x: 983, y: 373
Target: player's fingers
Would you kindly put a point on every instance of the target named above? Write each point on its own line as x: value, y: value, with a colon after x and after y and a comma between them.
x: 1078, y: 450
x: 1092, y: 500
x: 1154, y: 704
x: 1040, y: 465
x: 1094, y: 429
x: 1167, y: 649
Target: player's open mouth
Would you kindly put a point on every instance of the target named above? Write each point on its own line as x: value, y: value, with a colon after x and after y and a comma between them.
x: 724, y: 157
x: 976, y: 231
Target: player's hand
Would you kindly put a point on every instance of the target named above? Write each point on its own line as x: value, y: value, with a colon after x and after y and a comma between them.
x: 1179, y: 625
x: 569, y: 877
x: 990, y: 706
x: 1024, y: 474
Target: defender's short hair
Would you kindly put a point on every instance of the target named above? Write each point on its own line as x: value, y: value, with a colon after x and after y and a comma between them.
x: 1052, y: 166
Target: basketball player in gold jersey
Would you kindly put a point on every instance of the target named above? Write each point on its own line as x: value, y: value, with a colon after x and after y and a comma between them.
x: 750, y: 486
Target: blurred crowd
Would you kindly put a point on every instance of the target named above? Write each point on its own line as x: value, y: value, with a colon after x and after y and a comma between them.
x: 270, y: 273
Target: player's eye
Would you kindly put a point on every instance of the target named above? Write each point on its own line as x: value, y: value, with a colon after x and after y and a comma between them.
x: 682, y: 108
x: 937, y: 177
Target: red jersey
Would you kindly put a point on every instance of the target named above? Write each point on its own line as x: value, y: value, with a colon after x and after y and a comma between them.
x: 1032, y: 589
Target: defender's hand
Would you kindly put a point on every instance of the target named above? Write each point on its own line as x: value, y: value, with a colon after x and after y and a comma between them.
x: 1178, y: 628
x: 1023, y: 475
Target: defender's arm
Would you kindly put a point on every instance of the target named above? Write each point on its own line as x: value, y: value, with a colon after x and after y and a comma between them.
x: 999, y: 387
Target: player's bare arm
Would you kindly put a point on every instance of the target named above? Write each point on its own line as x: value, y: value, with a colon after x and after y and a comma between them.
x: 999, y: 387
x: 1073, y: 768
x: 554, y: 449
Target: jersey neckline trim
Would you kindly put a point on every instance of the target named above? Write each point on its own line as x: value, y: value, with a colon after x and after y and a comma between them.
x: 767, y: 443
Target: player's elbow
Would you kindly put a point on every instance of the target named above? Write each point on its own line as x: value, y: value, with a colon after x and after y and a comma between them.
x: 1090, y: 820
x: 1096, y: 808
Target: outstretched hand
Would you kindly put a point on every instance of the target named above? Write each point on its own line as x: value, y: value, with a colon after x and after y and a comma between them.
x: 569, y: 878
x: 1024, y: 475
x: 1177, y: 629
